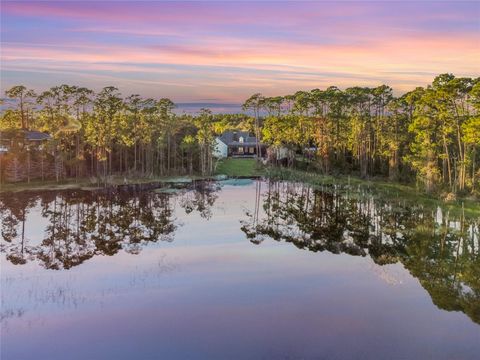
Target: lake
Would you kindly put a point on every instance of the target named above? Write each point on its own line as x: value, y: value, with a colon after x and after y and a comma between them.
x: 237, y: 269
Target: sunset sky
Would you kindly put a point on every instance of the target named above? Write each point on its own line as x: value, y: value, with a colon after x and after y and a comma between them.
x: 225, y: 51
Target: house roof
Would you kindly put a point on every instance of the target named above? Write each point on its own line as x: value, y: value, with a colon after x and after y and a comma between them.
x: 30, y: 135
x: 245, y: 143
x: 37, y: 136
x: 232, y: 138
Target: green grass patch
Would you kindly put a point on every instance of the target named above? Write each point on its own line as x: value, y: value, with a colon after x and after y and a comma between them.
x: 239, y: 167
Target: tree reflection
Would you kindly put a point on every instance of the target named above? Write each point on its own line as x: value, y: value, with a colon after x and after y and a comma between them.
x: 83, y: 224
x: 439, y: 249
x: 202, y: 199
x: 13, y: 213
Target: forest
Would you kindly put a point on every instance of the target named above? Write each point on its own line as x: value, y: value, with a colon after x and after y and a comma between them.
x: 429, y: 136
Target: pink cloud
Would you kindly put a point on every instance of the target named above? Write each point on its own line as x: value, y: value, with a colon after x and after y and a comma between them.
x: 241, y: 47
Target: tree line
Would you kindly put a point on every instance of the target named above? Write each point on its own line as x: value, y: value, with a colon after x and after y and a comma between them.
x: 429, y: 134
x: 103, y: 134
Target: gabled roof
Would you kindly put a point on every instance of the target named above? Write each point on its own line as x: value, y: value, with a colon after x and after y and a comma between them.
x: 230, y: 136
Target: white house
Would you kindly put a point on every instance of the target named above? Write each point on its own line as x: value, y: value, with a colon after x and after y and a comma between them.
x: 221, y: 149
x: 237, y: 144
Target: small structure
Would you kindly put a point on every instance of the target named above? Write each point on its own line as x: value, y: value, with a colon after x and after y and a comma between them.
x: 20, y: 138
x: 280, y: 155
x: 22, y: 156
x: 237, y: 144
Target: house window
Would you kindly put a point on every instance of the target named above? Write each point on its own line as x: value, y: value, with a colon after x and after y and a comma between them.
x: 251, y: 150
x: 240, y: 139
x: 240, y: 150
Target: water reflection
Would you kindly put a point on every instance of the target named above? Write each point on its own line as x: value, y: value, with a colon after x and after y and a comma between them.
x: 82, y: 224
x: 61, y: 230
x: 439, y: 248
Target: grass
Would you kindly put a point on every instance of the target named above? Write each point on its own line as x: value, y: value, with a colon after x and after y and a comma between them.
x: 90, y: 183
x: 248, y: 167
x: 235, y: 167
x: 383, y: 188
x: 38, y: 185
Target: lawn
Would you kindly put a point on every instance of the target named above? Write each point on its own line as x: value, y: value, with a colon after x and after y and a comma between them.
x: 239, y: 167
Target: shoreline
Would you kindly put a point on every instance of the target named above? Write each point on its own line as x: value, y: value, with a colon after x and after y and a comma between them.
x: 381, y: 186
x: 89, y: 185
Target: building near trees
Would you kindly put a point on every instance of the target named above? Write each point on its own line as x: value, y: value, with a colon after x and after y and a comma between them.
x: 238, y: 144
x: 23, y: 156
x: 21, y: 138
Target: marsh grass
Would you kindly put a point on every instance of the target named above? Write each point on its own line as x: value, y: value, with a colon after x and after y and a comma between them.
x: 378, y: 189
x: 237, y: 167
x: 93, y: 183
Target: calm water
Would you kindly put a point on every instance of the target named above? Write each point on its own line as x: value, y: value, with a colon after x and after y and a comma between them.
x: 237, y: 270
x: 216, y: 108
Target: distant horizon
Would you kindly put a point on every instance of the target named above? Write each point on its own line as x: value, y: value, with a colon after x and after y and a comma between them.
x: 226, y: 51
x: 180, y: 107
x: 220, y: 102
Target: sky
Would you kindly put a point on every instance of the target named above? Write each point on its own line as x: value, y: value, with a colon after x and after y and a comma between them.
x: 224, y: 51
